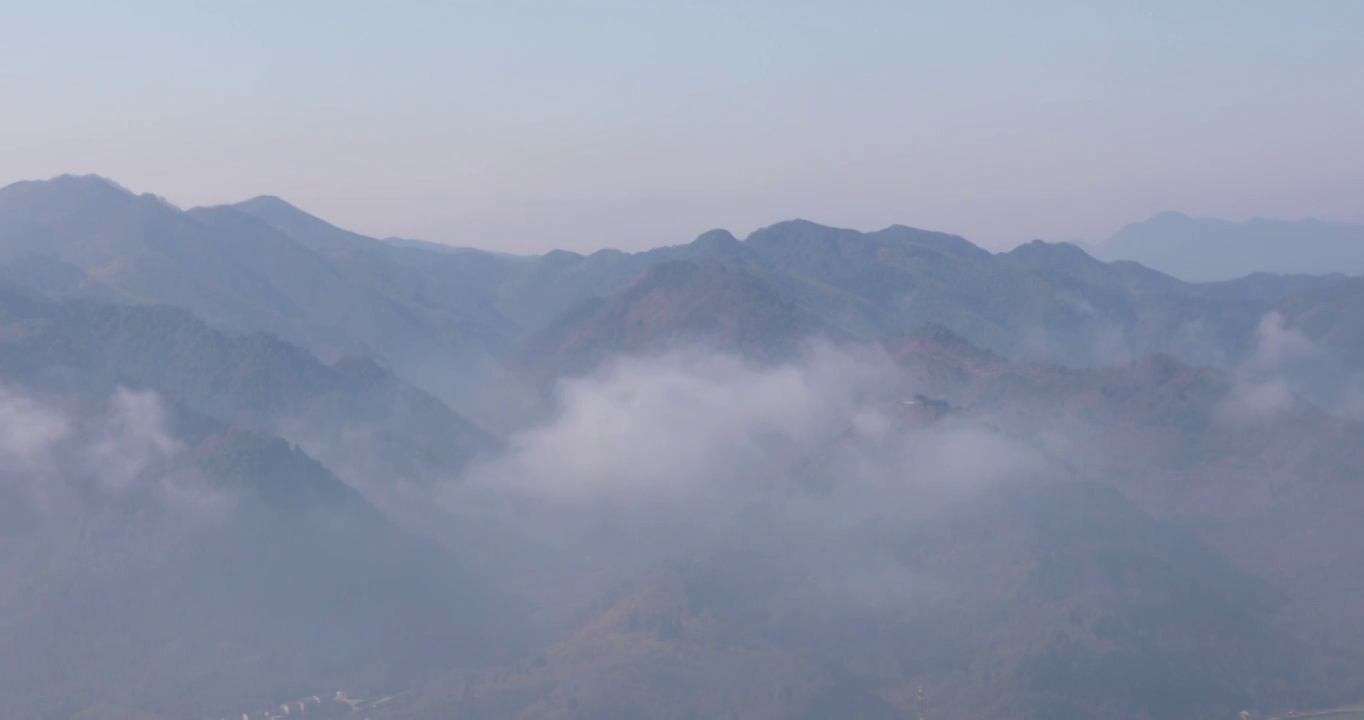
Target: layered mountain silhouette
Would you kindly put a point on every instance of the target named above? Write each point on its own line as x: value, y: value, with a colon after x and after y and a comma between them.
x: 263, y: 265
x: 230, y: 267
x: 247, y: 456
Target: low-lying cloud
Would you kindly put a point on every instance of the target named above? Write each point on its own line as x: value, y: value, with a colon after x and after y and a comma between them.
x: 58, y: 457
x: 1286, y: 365
x: 812, y: 468
x: 128, y: 439
x: 29, y: 431
x: 1279, y: 347
x: 650, y: 431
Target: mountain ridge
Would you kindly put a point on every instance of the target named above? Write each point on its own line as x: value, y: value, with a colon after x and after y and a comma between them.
x: 1208, y: 249
x: 813, y: 472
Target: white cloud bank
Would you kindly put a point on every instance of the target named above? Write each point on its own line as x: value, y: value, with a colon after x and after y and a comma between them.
x: 811, y: 465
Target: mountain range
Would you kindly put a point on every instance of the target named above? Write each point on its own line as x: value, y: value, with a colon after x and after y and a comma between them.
x: 250, y: 456
x: 1204, y: 249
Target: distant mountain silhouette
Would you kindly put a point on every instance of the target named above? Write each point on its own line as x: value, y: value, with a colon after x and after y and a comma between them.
x: 224, y: 265
x: 677, y: 304
x: 265, y: 265
x: 1169, y: 528
x: 1202, y: 249
x: 333, y: 292
x: 407, y: 243
x: 314, y: 232
x: 1041, y: 301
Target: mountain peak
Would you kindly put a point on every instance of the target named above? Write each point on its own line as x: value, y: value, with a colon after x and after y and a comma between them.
x: 793, y: 225
x: 312, y: 231
x: 88, y: 181
x: 717, y: 236
x: 78, y: 196
x: 271, y: 203
x: 273, y: 208
x: 955, y: 245
x: 788, y: 233
x: 718, y: 244
x: 1057, y: 251
x: 74, y: 184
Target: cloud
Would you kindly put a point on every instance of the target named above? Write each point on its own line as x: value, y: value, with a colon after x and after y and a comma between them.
x: 1287, y: 365
x: 654, y: 430
x: 1257, y: 399
x: 1279, y: 347
x: 807, y: 467
x: 63, y: 457
x: 28, y: 431
x: 128, y: 440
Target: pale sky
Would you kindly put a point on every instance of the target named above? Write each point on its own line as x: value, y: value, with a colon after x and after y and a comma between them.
x: 524, y: 126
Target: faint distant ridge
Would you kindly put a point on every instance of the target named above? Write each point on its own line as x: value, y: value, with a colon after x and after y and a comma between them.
x: 1205, y: 249
x: 410, y: 244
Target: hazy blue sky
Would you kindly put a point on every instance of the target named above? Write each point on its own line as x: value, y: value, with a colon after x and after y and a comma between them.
x: 582, y: 124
